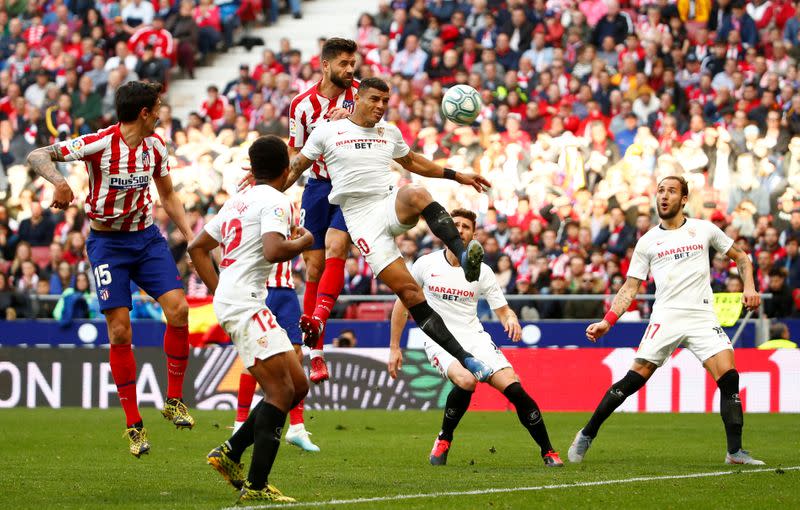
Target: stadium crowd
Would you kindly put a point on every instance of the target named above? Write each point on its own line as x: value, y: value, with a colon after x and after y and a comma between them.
x: 586, y: 105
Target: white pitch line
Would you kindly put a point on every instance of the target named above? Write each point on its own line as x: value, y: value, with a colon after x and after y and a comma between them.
x: 478, y: 492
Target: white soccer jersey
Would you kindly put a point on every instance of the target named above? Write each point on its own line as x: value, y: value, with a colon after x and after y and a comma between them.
x: 452, y: 296
x: 679, y: 261
x: 357, y: 157
x: 238, y: 228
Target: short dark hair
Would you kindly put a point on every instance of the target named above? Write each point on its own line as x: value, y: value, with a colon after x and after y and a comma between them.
x: 133, y: 96
x: 681, y: 180
x: 778, y: 331
x: 372, y: 83
x: 465, y: 213
x: 269, y: 157
x: 336, y: 45
x: 778, y: 271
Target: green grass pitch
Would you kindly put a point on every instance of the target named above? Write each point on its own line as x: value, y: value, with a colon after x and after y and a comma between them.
x: 73, y: 458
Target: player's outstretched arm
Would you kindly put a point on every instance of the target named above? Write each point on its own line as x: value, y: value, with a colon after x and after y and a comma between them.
x: 399, y: 319
x: 41, y: 162
x: 298, y: 165
x: 510, y: 322
x: 751, y: 298
x: 279, y: 249
x: 173, y: 206
x: 621, y: 302
x: 420, y: 165
x: 200, y: 253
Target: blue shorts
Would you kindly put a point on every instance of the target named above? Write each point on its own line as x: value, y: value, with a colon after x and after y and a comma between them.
x: 317, y: 215
x: 117, y: 258
x: 285, y: 306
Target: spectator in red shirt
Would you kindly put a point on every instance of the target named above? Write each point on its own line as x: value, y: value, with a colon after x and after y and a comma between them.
x: 268, y: 64
x: 158, y: 37
x: 209, y: 26
x: 213, y: 108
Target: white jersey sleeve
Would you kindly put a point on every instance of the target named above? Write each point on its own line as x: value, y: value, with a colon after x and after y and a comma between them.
x: 418, y: 271
x: 718, y: 239
x: 315, y: 145
x: 214, y: 227
x: 277, y: 219
x: 490, y: 289
x: 640, y: 261
x: 400, y: 147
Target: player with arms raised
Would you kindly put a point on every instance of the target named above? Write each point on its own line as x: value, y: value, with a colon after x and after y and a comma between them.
x: 123, y: 243
x: 677, y: 253
x: 254, y: 230
x: 357, y: 153
x: 332, y: 98
x: 456, y: 299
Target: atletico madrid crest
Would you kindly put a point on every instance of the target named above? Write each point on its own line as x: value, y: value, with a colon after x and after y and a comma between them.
x: 104, y: 294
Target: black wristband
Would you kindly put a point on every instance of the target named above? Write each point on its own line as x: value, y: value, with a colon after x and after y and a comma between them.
x: 449, y: 173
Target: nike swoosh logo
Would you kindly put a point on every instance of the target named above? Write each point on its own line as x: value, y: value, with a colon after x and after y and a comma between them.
x: 435, y: 275
x: 341, y: 132
x: 659, y: 243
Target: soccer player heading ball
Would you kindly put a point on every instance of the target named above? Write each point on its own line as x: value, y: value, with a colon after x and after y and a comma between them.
x: 677, y: 253
x: 123, y: 243
x: 357, y: 152
x: 456, y: 299
x: 254, y: 230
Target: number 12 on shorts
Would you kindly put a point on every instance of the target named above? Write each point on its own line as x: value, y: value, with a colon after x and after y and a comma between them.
x: 651, y: 330
x: 270, y: 320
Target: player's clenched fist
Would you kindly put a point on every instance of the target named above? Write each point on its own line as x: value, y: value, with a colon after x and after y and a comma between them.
x: 597, y: 329
x: 304, y: 235
x: 63, y: 196
x: 751, y: 299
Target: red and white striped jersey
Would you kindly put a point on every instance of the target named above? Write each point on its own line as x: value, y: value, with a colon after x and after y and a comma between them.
x: 281, y: 276
x: 119, y: 176
x: 309, y: 109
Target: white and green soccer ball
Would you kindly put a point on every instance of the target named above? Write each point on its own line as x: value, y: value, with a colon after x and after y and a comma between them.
x: 461, y: 104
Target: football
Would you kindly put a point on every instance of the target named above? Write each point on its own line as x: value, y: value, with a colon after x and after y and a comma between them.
x: 461, y: 104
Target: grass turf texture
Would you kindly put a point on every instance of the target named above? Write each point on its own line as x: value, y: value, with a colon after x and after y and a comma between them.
x: 73, y: 458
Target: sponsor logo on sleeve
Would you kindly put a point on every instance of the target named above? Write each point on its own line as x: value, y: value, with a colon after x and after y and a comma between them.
x: 280, y: 213
x: 292, y: 128
x: 74, y: 146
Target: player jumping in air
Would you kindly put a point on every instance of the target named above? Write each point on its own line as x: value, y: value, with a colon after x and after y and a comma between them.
x: 123, y: 243
x: 456, y: 299
x: 677, y: 253
x: 357, y: 153
x: 254, y: 231
x: 330, y: 99
x: 282, y: 300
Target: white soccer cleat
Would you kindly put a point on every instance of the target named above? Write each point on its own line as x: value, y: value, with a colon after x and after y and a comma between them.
x: 579, y: 447
x: 301, y: 439
x: 742, y: 457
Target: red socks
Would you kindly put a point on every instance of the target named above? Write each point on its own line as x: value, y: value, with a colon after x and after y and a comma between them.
x: 330, y: 286
x: 296, y: 414
x: 176, y: 347
x: 247, y: 388
x: 123, y: 370
x: 309, y: 303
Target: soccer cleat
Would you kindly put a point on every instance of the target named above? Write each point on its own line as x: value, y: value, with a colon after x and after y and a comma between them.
x: 439, y: 452
x: 579, y: 446
x: 300, y: 439
x: 319, y: 370
x: 742, y: 457
x: 231, y: 471
x: 268, y: 493
x: 177, y: 412
x: 312, y: 328
x: 139, y: 445
x: 478, y: 368
x: 551, y: 459
x: 471, y: 261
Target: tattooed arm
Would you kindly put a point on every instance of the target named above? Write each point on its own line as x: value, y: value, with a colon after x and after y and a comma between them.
x: 41, y: 162
x: 621, y: 302
x: 298, y: 165
x: 745, y: 267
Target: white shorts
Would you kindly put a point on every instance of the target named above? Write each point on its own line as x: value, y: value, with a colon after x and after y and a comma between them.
x: 699, y: 332
x: 254, y: 331
x: 480, y: 345
x: 372, y: 223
